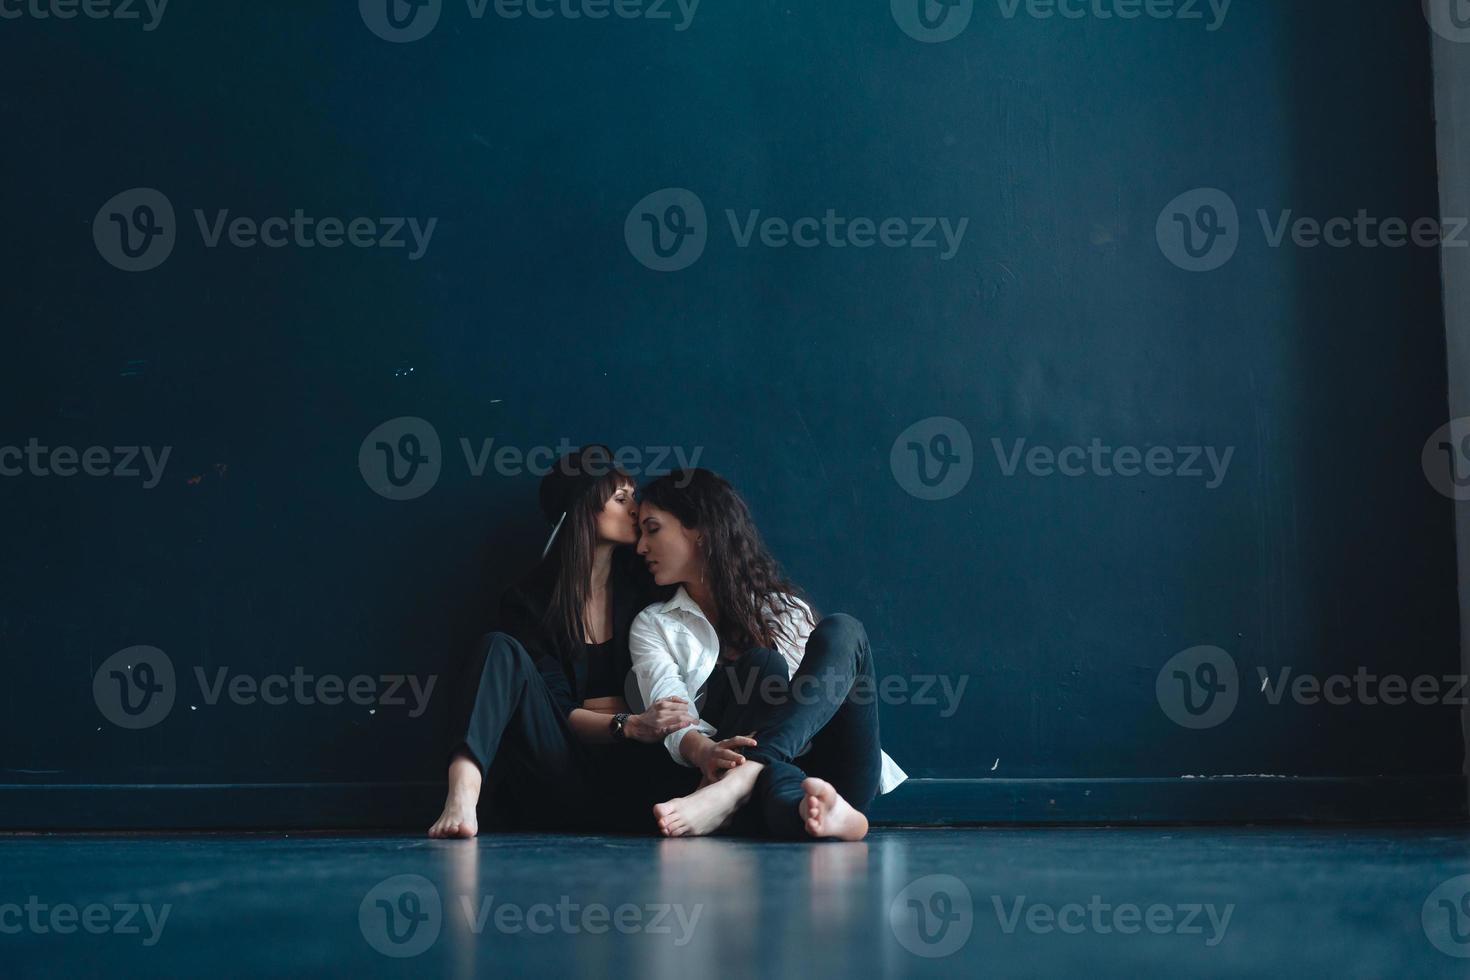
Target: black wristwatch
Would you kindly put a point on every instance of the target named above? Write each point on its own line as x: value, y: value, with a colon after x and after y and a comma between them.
x: 616, y: 725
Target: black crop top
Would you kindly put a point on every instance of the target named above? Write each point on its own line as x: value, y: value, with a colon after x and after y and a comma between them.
x: 602, y: 673
x: 597, y: 671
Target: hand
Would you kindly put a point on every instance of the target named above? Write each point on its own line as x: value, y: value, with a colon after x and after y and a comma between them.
x: 715, y: 758
x: 662, y: 717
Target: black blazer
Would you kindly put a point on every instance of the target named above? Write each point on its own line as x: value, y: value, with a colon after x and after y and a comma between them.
x: 523, y: 616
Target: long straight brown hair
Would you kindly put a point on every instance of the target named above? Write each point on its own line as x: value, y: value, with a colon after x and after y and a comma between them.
x: 576, y: 542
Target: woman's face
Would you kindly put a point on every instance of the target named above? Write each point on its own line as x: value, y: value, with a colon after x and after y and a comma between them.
x: 670, y: 549
x: 617, y: 523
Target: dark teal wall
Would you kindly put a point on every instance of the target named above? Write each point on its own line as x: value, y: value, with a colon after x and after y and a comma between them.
x: 1059, y: 320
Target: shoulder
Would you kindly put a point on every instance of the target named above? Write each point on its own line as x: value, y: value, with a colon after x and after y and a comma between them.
x: 651, y: 617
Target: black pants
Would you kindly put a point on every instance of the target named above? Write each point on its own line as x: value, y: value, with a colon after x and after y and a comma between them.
x: 830, y: 704
x: 538, y: 774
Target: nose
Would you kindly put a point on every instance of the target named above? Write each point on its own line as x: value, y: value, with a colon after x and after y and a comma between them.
x: 642, y: 548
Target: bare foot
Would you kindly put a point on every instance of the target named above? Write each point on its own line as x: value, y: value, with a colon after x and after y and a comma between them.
x: 827, y: 814
x: 458, y: 818
x: 710, y: 807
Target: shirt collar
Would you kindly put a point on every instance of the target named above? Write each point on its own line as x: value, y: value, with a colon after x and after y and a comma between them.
x: 681, y: 602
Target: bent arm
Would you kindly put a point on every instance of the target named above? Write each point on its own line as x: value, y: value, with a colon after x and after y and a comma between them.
x: 591, y: 726
x: 659, y: 677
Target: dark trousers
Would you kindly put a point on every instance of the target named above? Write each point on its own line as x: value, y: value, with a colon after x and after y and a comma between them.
x: 829, y: 704
x: 538, y: 774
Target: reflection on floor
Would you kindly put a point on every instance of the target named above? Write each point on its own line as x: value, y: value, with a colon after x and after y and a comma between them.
x: 1266, y: 902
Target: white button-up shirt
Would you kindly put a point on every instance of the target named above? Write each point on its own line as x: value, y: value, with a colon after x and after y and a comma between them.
x: 675, y: 649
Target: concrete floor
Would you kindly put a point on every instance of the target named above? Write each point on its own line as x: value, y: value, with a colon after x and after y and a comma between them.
x: 1266, y: 902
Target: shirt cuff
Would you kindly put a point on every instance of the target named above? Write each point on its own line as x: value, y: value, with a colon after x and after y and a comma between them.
x: 672, y: 740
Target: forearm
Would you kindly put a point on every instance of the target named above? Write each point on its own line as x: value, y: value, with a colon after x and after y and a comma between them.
x: 693, y: 746
x: 592, y: 727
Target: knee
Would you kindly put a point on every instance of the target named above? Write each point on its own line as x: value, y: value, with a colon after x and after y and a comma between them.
x: 504, y: 652
x: 842, y: 630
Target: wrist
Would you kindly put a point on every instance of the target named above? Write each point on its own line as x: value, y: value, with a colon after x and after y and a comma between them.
x: 695, y: 747
x: 618, y: 726
x: 642, y: 728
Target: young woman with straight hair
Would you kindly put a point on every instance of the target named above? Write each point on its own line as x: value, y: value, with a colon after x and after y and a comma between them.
x: 541, y: 712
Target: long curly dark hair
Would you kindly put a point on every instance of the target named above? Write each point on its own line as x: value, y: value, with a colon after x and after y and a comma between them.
x: 750, y: 590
